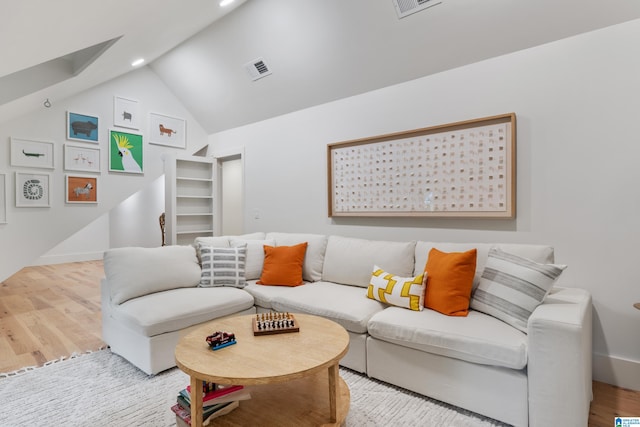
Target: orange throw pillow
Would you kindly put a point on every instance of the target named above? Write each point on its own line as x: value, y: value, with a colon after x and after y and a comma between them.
x: 283, y: 265
x: 449, y: 281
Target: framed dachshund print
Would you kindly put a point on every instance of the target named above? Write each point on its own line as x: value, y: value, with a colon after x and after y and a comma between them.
x: 81, y: 189
x: 166, y: 130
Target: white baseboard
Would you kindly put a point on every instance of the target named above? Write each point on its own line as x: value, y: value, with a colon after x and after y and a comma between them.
x: 617, y: 371
x: 66, y: 258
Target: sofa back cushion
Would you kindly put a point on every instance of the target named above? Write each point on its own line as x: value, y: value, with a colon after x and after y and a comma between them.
x: 314, y: 258
x: 134, y: 272
x: 258, y: 235
x: 223, y: 241
x: 539, y: 253
x: 255, y: 255
x: 210, y: 241
x: 349, y: 261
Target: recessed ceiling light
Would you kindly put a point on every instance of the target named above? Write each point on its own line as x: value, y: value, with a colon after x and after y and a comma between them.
x: 137, y: 62
x: 224, y: 3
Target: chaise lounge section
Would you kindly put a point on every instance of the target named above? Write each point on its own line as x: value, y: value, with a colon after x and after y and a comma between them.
x: 537, y: 376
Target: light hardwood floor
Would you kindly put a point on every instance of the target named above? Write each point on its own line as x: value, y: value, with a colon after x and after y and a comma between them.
x: 52, y: 311
x: 49, y: 311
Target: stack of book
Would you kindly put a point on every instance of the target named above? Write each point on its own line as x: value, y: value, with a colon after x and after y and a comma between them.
x: 217, y: 400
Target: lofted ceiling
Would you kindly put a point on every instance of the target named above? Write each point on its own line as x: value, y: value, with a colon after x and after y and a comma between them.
x: 56, y: 49
x: 317, y: 50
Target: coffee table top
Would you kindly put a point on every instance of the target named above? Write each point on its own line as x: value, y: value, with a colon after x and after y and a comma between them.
x: 262, y: 359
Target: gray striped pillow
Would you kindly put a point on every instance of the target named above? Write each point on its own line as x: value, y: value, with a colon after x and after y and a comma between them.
x: 511, y: 287
x: 223, y: 266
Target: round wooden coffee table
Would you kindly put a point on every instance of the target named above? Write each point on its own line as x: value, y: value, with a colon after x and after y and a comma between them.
x: 293, y: 377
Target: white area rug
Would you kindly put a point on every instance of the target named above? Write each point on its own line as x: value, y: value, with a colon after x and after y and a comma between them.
x: 102, y: 389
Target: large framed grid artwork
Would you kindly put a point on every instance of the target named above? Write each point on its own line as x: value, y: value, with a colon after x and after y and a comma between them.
x: 462, y: 169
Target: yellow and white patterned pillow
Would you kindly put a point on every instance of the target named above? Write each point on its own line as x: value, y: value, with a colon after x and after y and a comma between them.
x: 406, y: 292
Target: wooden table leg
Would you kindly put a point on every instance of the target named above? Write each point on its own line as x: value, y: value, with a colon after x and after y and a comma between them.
x: 333, y: 392
x: 196, y: 402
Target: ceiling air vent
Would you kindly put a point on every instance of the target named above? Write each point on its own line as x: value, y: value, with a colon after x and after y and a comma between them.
x: 407, y: 7
x: 257, y: 69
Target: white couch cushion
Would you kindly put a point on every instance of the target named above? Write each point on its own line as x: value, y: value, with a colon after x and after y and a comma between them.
x: 225, y: 241
x: 263, y: 295
x: 477, y: 338
x: 258, y: 235
x: 181, y: 308
x: 215, y: 241
x: 314, y: 258
x: 134, y: 272
x: 212, y: 241
x: 345, y: 305
x: 538, y: 253
x: 349, y: 261
x: 255, y: 255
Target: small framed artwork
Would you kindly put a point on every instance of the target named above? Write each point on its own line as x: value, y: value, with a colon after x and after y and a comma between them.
x: 82, y: 127
x: 81, y: 189
x: 85, y: 159
x: 31, y: 154
x: 126, y: 113
x: 166, y: 130
x: 32, y: 190
x: 3, y: 198
x: 125, y: 152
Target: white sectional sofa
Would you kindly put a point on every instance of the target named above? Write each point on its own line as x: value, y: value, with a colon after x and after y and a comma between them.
x: 539, y: 377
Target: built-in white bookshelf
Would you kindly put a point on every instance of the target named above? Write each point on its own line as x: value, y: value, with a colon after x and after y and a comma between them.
x: 189, y: 208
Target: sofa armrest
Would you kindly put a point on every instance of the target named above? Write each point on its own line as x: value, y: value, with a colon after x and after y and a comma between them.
x: 560, y: 353
x: 105, y: 293
x: 105, y: 309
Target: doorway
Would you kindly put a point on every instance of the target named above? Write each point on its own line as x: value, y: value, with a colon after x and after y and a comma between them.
x: 230, y: 206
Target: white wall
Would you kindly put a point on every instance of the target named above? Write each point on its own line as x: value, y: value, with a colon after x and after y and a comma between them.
x: 87, y: 244
x: 136, y: 221
x: 578, y: 147
x: 32, y: 232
